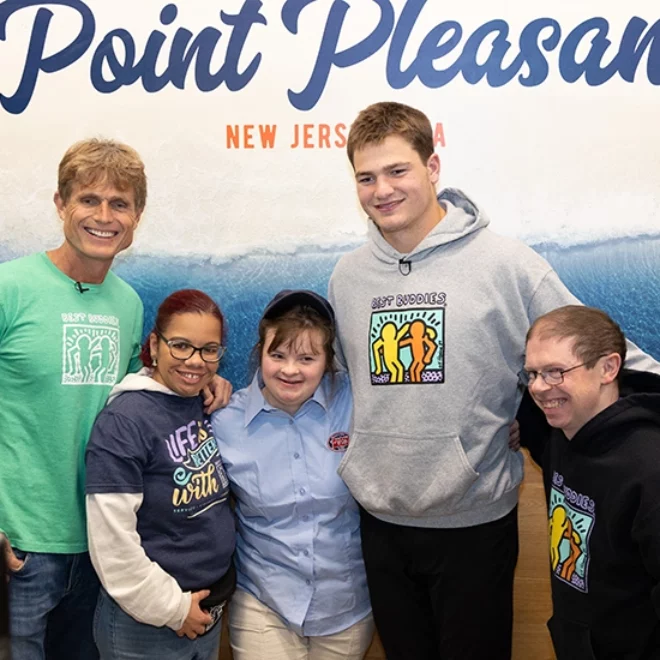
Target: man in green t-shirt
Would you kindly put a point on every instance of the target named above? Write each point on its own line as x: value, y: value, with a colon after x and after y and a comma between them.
x: 69, y: 330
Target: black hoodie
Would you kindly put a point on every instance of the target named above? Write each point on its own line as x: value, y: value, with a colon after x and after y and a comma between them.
x: 603, y: 492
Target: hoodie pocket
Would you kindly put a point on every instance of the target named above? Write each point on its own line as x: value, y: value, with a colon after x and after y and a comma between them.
x: 571, y: 639
x: 414, y: 476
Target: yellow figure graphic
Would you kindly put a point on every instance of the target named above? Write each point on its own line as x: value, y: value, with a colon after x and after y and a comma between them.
x: 388, y: 344
x: 561, y: 528
x: 422, y: 348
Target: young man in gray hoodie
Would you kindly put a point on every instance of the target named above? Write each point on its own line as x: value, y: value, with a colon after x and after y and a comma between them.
x: 432, y: 315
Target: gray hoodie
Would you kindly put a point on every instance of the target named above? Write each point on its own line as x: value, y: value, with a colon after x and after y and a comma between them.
x: 434, y: 341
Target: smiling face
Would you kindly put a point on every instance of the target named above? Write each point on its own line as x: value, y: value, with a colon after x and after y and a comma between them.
x: 99, y: 221
x: 397, y: 191
x: 583, y: 394
x: 292, y: 371
x: 186, y: 377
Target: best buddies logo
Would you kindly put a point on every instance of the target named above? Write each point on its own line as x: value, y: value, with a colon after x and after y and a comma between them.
x: 228, y: 52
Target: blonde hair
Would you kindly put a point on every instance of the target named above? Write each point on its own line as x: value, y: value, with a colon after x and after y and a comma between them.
x: 99, y: 160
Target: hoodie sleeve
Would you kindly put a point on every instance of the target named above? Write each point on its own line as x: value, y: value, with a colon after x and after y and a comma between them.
x: 649, y: 541
x: 534, y: 429
x: 139, y: 586
x: 646, y: 521
x: 552, y: 293
x: 339, y: 354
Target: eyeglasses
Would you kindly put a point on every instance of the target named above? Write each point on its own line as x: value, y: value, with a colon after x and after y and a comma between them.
x: 180, y: 349
x: 550, y: 376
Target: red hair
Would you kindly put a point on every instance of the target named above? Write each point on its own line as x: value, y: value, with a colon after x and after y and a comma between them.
x: 184, y: 301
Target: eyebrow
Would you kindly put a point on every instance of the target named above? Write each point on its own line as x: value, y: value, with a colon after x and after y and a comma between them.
x: 385, y: 167
x: 551, y: 367
x: 114, y: 198
x: 208, y: 343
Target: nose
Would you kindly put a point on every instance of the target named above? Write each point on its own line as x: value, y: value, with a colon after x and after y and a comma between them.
x: 195, y: 359
x: 290, y: 367
x: 538, y: 385
x: 104, y: 212
x: 383, y: 187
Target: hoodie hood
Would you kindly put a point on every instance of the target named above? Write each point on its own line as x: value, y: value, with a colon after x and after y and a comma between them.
x: 463, y: 217
x: 638, y: 405
x: 139, y: 381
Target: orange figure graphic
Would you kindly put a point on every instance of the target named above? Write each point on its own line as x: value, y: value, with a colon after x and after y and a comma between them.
x: 422, y: 348
x: 561, y: 528
x: 388, y: 344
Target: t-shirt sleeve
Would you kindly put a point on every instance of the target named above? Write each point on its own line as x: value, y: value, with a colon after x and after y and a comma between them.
x: 116, y: 457
x: 136, y: 364
x: 3, y: 323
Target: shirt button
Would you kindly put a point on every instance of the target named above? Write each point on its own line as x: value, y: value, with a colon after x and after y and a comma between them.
x: 296, y: 455
x: 302, y: 491
x: 306, y: 553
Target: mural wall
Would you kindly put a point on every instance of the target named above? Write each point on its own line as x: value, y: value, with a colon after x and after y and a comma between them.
x: 546, y: 114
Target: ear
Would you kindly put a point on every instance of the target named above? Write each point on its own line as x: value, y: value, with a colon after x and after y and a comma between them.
x: 137, y: 219
x: 153, y: 344
x: 433, y: 167
x: 610, y: 368
x: 59, y: 205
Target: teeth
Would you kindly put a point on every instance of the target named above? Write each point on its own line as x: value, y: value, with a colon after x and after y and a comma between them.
x: 552, y: 404
x: 101, y: 234
x: 191, y: 377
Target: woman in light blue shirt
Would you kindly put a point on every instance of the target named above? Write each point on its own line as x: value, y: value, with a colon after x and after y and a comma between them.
x: 302, y: 589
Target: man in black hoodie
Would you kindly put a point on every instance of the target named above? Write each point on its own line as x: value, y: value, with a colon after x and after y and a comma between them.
x: 599, y: 447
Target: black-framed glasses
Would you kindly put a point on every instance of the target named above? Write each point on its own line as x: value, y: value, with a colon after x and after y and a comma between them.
x: 180, y: 349
x: 550, y: 376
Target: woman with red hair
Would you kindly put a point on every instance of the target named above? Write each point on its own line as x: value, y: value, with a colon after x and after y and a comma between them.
x: 161, y: 533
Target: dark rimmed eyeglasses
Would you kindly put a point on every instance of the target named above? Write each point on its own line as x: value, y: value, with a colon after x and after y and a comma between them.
x: 180, y: 349
x: 549, y: 376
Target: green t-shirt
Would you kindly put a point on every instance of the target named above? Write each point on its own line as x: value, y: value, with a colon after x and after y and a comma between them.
x: 61, y: 351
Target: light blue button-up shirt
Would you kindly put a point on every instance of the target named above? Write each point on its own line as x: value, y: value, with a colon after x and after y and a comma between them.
x: 298, y: 545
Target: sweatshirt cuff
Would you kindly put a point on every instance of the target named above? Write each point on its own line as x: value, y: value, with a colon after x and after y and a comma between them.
x: 176, y: 622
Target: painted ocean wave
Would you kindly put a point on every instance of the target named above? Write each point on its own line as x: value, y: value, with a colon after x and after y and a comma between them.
x: 221, y: 252
x: 616, y: 275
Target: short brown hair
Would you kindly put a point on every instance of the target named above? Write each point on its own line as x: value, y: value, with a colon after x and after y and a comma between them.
x: 381, y: 120
x: 289, y: 326
x: 98, y: 160
x: 595, y: 334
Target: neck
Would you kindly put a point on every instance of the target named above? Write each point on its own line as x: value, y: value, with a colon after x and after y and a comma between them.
x: 407, y: 240
x: 78, y: 268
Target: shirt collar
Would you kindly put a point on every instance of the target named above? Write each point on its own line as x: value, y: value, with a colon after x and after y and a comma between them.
x: 256, y: 402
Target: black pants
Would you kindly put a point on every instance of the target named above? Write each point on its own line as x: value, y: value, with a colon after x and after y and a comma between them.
x: 442, y: 594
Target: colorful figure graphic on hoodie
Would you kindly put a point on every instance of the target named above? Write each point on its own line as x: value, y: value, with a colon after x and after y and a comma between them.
x: 407, y: 347
x: 422, y: 347
x: 388, y: 345
x: 570, y: 529
x: 561, y: 528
